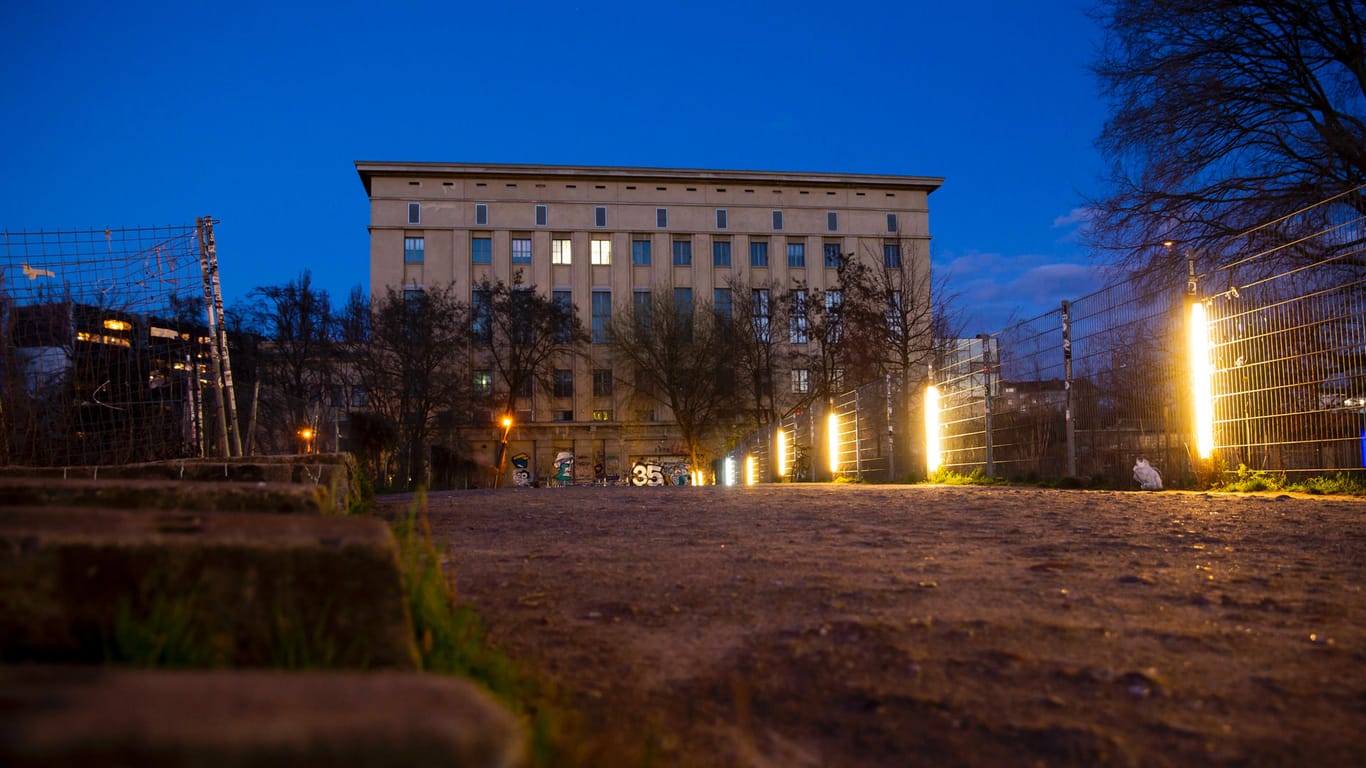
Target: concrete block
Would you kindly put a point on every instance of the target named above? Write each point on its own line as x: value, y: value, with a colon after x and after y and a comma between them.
x: 108, y: 717
x: 201, y: 590
x: 164, y: 495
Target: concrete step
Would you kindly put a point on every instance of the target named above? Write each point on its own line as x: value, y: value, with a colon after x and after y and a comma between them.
x: 109, y: 717
x: 83, y: 585
x: 335, y: 476
x: 163, y: 495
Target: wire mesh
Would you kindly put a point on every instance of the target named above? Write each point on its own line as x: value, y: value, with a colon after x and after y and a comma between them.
x: 99, y: 345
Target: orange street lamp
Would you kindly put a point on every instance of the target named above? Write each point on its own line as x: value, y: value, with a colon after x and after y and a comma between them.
x: 503, y: 448
x: 306, y: 435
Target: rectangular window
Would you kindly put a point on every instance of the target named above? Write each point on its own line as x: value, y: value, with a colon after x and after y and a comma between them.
x: 683, y: 301
x: 834, y: 325
x: 414, y: 213
x: 796, y: 322
x: 642, y: 309
x: 521, y: 250
x: 564, y: 415
x: 481, y: 214
x: 601, y: 253
x: 602, y: 382
x: 602, y: 415
x: 723, y: 304
x: 832, y: 255
x: 891, y: 255
x: 563, y: 381
x: 720, y: 253
x: 564, y: 301
x: 560, y: 251
x: 481, y: 316
x: 762, y: 312
x: 661, y: 217
x: 483, y: 383
x: 542, y: 215
x: 796, y: 255
x: 832, y: 221
x: 414, y: 250
x: 891, y: 222
x: 602, y: 316
x: 758, y: 253
x: 682, y: 253
x: 801, y: 381
x: 721, y: 218
x: 600, y: 216
x: 481, y: 250
x: 777, y: 221
x: 524, y: 390
x: 640, y: 253
x: 894, y: 312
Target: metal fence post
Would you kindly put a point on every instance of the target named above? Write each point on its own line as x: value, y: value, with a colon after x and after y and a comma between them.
x: 858, y: 439
x: 986, y: 397
x: 1071, y: 427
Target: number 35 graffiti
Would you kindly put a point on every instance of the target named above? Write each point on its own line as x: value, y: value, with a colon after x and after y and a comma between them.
x: 654, y: 475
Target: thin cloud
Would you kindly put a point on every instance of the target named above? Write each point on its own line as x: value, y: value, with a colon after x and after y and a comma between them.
x: 1073, y: 217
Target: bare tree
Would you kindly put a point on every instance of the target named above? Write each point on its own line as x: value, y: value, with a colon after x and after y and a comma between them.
x: 890, y: 310
x: 517, y: 333
x: 757, y: 345
x: 414, y: 366
x: 1225, y: 115
x: 680, y: 357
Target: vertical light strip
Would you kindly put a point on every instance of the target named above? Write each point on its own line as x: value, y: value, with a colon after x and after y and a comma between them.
x: 781, y: 443
x: 933, y: 454
x: 750, y: 471
x: 730, y: 470
x: 1201, y: 390
x: 832, y: 440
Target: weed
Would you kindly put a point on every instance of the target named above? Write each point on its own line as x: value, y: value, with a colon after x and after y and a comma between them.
x: 975, y: 477
x: 162, y: 632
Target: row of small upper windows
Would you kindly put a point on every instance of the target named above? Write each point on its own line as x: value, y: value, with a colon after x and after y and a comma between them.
x: 481, y: 217
x: 600, y: 252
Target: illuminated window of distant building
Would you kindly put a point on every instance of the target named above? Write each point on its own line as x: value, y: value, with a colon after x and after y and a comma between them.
x: 801, y: 381
x: 483, y: 383
x: 602, y: 415
x: 601, y: 252
x: 414, y: 250
x: 796, y: 255
x: 521, y: 250
x: 682, y: 253
x: 640, y: 253
x: 481, y: 250
x: 560, y: 251
x: 758, y: 253
x: 720, y: 253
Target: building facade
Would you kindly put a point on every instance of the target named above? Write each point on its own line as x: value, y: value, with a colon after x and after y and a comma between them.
x: 601, y: 237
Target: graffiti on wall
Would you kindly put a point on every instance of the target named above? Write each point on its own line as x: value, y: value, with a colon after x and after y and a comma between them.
x: 521, y: 472
x: 564, y: 467
x: 654, y: 474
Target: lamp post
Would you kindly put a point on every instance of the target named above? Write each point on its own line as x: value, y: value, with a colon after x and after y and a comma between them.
x: 503, y: 449
x: 306, y: 438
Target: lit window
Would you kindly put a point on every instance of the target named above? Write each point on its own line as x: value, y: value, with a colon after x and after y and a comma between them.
x: 414, y: 250
x: 891, y: 222
x: 414, y: 213
x: 832, y: 255
x: 777, y: 221
x: 891, y: 255
x: 563, y: 383
x: 542, y: 215
x: 560, y: 251
x: 481, y: 214
x: 682, y: 253
x: 640, y: 253
x: 832, y: 221
x: 483, y: 383
x: 720, y: 253
x: 600, y: 216
x: 796, y: 255
x: 661, y: 217
x: 602, y: 316
x: 521, y: 250
x: 758, y: 254
x: 481, y: 250
x: 601, y: 252
x: 801, y: 381
x: 721, y: 218
x: 602, y: 415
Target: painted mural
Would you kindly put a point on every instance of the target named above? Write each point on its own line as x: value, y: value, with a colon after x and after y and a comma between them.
x: 521, y: 470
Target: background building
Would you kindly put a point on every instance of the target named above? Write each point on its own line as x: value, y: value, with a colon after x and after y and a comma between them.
x: 603, y: 237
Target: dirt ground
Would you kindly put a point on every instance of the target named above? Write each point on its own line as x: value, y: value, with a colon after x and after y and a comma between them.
x: 843, y: 625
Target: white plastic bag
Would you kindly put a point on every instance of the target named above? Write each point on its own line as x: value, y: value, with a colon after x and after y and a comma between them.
x: 1147, y: 478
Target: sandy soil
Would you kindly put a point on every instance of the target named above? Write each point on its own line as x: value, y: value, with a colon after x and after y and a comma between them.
x: 840, y: 625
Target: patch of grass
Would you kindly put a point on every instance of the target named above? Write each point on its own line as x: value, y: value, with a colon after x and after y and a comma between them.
x: 1250, y: 481
x: 1340, y: 483
x: 161, y: 632
x: 975, y: 477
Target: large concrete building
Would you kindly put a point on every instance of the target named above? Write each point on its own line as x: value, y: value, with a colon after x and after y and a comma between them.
x: 601, y: 236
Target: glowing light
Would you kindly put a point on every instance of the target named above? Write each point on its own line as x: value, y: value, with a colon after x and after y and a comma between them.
x: 306, y: 433
x: 934, y: 455
x: 118, y: 325
x: 1201, y: 392
x: 780, y: 442
x: 751, y: 471
x: 728, y: 471
x: 507, y: 422
x: 832, y: 440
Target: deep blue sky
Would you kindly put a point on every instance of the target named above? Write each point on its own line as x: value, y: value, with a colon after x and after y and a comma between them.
x: 147, y: 113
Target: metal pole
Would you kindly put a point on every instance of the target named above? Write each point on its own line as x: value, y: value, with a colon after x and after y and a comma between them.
x: 222, y: 339
x: 1067, y: 388
x: 986, y: 398
x: 858, y: 440
x: 209, y: 308
x: 891, y: 437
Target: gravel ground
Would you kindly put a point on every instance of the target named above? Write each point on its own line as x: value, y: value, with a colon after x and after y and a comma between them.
x: 834, y: 625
